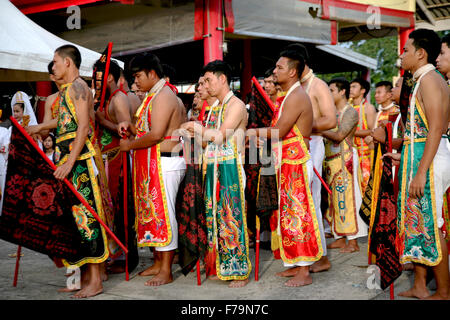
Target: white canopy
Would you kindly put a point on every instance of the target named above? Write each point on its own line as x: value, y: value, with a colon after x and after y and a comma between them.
x: 26, y: 48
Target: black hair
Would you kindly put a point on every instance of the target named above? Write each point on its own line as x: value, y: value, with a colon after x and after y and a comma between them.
x: 427, y: 40
x: 269, y: 72
x: 218, y: 67
x: 72, y: 52
x: 342, y: 84
x: 114, y: 70
x: 21, y: 104
x: 169, y: 72
x: 301, y: 49
x: 386, y: 84
x: 146, y: 62
x: 363, y: 83
x: 51, y: 135
x: 196, y: 87
x: 295, y: 58
x: 446, y: 39
x: 50, y: 68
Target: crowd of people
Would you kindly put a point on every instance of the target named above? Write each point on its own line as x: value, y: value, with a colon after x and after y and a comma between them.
x: 323, y: 136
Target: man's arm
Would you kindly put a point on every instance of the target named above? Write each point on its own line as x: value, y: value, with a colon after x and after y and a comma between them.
x: 163, y: 107
x: 349, y: 122
x: 79, y: 93
x: 432, y: 99
x: 47, y: 123
x: 235, y: 113
x: 327, y: 109
x: 120, y: 109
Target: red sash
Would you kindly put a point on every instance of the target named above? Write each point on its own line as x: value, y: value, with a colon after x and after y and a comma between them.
x: 153, y: 225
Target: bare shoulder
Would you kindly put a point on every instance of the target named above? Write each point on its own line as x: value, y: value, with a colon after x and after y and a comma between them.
x: 299, y: 98
x: 370, y: 108
x: 351, y: 115
x: 79, y: 90
x: 319, y: 86
x: 167, y: 97
x: 236, y: 103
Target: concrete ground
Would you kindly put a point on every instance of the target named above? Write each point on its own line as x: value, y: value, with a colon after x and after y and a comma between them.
x: 346, y: 280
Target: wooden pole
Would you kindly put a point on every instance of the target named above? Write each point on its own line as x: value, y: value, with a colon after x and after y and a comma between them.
x: 125, y: 209
x: 258, y: 228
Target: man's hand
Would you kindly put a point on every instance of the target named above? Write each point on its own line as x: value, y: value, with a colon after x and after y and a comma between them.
x: 123, y: 128
x: 417, y: 186
x: 125, y: 145
x: 368, y: 140
x: 63, y: 171
x: 395, y: 157
x: 31, y: 130
x: 37, y: 137
x: 100, y: 116
x: 379, y: 135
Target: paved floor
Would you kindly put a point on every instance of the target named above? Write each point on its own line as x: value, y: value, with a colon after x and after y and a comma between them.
x: 347, y: 279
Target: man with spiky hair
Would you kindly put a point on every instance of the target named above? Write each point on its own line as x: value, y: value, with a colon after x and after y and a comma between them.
x: 295, y: 230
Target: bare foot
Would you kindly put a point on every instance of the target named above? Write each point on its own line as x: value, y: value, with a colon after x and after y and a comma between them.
x: 91, y: 290
x: 438, y: 296
x: 160, y: 279
x: 213, y: 277
x: 291, y: 272
x: 68, y: 290
x: 151, y: 271
x: 116, y: 268
x: 351, y: 247
x: 337, y: 244
x: 302, y: 278
x: 420, y: 293
x: 238, y: 283
x: 322, y: 265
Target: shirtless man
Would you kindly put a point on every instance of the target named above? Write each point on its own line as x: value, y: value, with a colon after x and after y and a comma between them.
x: 223, y: 134
x: 269, y: 86
x: 133, y: 99
x: 158, y: 117
x: 426, y: 154
x: 74, y: 160
x: 293, y: 125
x: 341, y: 161
x: 359, y: 89
x: 51, y: 110
x: 324, y: 113
x: 116, y: 110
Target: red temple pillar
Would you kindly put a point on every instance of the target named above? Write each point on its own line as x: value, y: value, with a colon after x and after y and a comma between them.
x: 213, y: 31
x: 403, y: 34
x: 43, y: 89
x: 246, y: 76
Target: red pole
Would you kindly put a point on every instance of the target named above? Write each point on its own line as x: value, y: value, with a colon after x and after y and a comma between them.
x: 16, y: 272
x: 199, y: 279
x: 321, y: 180
x: 389, y: 131
x: 69, y: 184
x: 213, y: 31
x: 125, y: 210
x: 43, y: 89
x: 258, y: 229
x: 403, y: 34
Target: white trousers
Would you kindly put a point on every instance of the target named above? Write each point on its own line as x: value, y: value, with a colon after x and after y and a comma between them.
x: 317, y: 149
x: 441, y: 171
x: 362, y: 226
x: 173, y: 171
